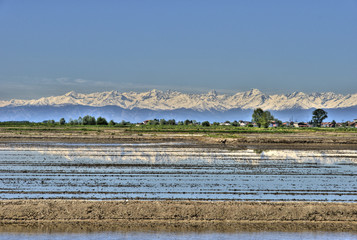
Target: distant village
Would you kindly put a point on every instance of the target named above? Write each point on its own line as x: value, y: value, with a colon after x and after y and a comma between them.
x: 261, y: 118
x: 241, y: 123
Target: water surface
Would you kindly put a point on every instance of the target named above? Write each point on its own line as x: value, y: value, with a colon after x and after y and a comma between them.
x: 174, y: 171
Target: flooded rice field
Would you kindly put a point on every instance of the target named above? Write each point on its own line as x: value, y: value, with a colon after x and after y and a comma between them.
x: 174, y: 171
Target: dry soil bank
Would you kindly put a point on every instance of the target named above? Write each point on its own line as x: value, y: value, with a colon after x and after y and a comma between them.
x: 276, y: 140
x: 226, y: 216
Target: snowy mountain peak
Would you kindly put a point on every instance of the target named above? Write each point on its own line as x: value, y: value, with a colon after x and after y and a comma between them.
x: 71, y: 94
x: 255, y: 91
x: 170, y: 100
x: 212, y: 93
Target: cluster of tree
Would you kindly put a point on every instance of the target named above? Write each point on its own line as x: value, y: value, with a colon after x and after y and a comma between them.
x: 263, y: 118
x: 49, y: 121
x: 162, y: 122
x: 172, y: 122
x: 87, y: 120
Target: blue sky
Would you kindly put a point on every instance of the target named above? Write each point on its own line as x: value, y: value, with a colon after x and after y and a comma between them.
x: 53, y: 47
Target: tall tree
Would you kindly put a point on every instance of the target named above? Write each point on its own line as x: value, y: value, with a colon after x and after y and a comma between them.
x: 206, y: 123
x: 102, y: 121
x: 333, y: 123
x: 257, y: 116
x: 89, y: 120
x: 62, y: 121
x: 262, y: 118
x: 318, y: 116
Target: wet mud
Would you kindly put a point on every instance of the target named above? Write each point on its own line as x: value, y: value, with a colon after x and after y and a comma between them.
x: 227, y: 216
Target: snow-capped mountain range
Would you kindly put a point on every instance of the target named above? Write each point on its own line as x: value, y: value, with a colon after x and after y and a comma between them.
x: 172, y: 100
x: 137, y: 107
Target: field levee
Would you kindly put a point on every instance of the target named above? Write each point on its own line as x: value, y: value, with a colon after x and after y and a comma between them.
x: 236, y: 138
x: 225, y: 216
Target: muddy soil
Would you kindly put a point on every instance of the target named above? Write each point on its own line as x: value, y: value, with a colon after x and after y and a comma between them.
x: 223, y: 216
x: 298, y: 140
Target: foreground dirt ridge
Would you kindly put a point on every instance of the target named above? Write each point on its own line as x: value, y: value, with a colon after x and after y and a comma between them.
x: 85, y: 215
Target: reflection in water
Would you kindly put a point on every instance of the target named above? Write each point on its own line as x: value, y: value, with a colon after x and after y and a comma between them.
x: 159, y: 154
x: 174, y: 171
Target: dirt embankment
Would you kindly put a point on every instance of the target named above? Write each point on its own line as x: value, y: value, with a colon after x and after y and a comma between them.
x: 83, y: 215
x: 297, y: 140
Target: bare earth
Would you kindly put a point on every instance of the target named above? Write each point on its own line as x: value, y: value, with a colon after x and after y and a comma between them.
x: 83, y: 216
x: 298, y: 140
x: 227, y: 216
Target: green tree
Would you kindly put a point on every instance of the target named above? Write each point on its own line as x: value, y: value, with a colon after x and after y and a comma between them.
x: 318, y: 116
x: 49, y: 121
x: 88, y: 120
x: 206, y: 124
x: 187, y: 122
x: 267, y: 119
x: 163, y: 122
x: 333, y: 123
x: 73, y: 122
x: 262, y: 118
x: 62, y: 121
x: 154, y: 122
x: 80, y: 121
x: 111, y: 123
x: 101, y: 121
x: 235, y: 123
x: 257, y: 116
x: 171, y: 122
x: 124, y: 123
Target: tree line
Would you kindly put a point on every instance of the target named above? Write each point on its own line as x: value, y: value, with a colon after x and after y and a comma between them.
x: 86, y: 120
x: 265, y: 118
x: 262, y: 119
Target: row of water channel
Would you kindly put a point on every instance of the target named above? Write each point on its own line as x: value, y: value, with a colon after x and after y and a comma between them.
x: 174, y: 171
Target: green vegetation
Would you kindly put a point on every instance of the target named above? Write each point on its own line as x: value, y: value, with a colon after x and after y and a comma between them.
x: 89, y: 120
x: 101, y: 121
x: 318, y: 116
x: 62, y: 121
x: 207, y: 124
x: 261, y: 118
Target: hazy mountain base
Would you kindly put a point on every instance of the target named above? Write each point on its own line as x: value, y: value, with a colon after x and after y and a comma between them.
x: 40, y: 113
